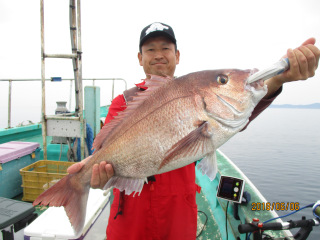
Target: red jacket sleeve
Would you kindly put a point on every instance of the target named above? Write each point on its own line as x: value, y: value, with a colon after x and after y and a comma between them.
x: 261, y: 106
x: 117, y: 105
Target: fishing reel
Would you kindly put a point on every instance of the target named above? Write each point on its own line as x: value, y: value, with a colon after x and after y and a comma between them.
x: 316, y: 209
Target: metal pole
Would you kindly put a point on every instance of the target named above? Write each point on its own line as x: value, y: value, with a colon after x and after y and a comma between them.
x: 9, y: 104
x: 70, y: 97
x: 93, y: 82
x: 43, y: 110
x: 82, y: 125
x: 61, y: 56
x: 61, y: 117
x: 73, y: 35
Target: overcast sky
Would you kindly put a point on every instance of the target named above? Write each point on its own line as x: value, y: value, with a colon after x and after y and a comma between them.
x: 210, y: 35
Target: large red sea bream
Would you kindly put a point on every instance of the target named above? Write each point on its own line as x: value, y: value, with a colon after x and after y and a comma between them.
x: 173, y: 123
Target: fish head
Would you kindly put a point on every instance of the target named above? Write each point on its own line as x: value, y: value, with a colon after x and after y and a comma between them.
x: 228, y: 98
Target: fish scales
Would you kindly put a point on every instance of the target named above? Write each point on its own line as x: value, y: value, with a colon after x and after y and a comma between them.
x: 170, y: 125
x: 152, y: 131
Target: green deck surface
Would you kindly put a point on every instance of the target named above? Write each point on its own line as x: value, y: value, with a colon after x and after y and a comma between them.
x: 211, y: 229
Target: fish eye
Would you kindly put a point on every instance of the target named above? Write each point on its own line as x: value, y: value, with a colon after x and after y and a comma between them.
x: 222, y: 79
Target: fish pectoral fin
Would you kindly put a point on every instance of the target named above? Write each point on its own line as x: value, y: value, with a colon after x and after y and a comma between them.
x: 127, y: 184
x: 208, y: 165
x: 199, y: 139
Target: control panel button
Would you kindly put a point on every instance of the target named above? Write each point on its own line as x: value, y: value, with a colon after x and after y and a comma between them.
x: 236, y: 189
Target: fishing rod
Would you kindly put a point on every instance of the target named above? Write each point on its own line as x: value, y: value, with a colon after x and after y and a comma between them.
x: 305, y: 225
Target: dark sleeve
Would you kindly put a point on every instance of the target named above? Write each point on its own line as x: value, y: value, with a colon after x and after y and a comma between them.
x: 262, y: 105
x: 117, y: 105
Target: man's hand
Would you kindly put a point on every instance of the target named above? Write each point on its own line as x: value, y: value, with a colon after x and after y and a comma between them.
x: 100, y: 173
x: 303, y: 60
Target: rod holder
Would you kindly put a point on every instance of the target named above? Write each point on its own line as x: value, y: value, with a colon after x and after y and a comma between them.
x: 245, y: 199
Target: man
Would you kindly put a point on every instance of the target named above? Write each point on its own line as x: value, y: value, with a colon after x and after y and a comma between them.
x: 166, y: 208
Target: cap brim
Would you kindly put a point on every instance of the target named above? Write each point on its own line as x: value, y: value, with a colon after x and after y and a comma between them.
x: 155, y: 34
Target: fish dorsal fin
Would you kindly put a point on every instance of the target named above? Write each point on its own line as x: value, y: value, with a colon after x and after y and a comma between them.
x: 152, y: 84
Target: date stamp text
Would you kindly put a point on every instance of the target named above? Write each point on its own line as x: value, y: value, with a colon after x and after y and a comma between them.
x: 279, y: 206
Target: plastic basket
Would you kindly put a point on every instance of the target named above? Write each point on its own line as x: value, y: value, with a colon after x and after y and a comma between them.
x: 37, y: 177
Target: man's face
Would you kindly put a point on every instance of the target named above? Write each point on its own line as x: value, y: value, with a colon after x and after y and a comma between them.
x: 159, y: 56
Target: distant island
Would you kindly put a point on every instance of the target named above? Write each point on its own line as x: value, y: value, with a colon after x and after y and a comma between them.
x: 309, y: 106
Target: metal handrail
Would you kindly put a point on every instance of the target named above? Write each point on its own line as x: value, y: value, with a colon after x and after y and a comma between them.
x: 65, y: 79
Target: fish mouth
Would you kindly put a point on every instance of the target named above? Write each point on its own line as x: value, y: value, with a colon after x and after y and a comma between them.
x: 257, y: 85
x: 256, y: 89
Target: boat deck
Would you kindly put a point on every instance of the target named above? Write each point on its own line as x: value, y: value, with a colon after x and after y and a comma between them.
x: 211, y: 228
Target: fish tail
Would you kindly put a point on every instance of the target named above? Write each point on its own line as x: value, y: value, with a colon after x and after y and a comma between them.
x: 72, y: 196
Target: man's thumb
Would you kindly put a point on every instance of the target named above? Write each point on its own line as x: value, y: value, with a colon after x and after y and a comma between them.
x: 309, y: 41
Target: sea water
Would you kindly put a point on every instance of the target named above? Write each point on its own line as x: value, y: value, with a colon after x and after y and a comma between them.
x: 280, y: 153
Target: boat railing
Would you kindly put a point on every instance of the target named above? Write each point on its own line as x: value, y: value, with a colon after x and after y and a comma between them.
x: 65, y: 79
